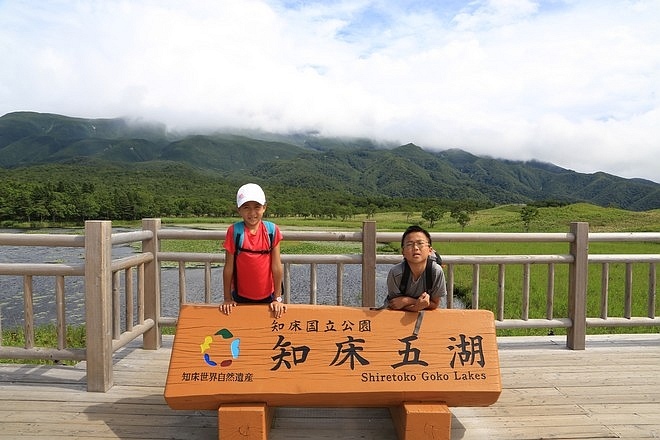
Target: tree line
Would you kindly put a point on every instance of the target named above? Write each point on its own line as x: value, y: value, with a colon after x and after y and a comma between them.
x: 73, y: 194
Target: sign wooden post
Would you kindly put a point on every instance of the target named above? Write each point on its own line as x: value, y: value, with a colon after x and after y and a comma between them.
x: 417, y: 364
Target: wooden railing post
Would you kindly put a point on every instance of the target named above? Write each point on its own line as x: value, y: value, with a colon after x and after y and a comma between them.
x: 152, y: 339
x: 577, y: 286
x: 369, y: 263
x: 98, y: 304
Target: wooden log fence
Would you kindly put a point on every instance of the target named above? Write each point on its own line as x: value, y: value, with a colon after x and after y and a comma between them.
x: 111, y: 323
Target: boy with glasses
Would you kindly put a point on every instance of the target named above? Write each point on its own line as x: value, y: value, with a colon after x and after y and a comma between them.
x: 418, y: 282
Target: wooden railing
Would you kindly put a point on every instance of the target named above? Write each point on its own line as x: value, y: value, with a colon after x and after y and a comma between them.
x: 110, y: 324
x: 102, y: 278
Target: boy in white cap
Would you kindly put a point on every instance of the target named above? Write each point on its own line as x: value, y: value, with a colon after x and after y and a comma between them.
x: 253, y: 267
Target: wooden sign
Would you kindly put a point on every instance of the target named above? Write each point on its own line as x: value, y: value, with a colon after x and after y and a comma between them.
x: 332, y: 356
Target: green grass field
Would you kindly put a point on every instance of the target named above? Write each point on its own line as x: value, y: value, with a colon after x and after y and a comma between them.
x: 504, y: 218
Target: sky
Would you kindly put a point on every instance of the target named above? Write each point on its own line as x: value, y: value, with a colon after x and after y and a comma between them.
x: 569, y: 82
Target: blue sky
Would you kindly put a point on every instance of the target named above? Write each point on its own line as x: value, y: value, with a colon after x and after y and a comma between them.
x: 574, y: 83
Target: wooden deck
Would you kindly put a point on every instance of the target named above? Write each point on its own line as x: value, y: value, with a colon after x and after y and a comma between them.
x: 610, y: 390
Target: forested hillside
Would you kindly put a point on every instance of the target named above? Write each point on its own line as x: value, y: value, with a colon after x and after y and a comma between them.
x: 57, y: 167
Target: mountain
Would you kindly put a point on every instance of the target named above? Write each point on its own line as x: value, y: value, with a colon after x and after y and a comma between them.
x: 358, y: 167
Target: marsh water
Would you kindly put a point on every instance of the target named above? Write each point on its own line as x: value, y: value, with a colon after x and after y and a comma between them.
x: 11, y: 287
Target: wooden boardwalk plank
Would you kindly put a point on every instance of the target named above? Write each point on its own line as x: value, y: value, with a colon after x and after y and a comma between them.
x: 609, y: 390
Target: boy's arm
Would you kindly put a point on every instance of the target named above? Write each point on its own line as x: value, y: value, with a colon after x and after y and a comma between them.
x: 278, y: 307
x: 434, y: 302
x: 409, y: 304
x: 227, y: 275
x: 278, y: 271
x: 401, y: 303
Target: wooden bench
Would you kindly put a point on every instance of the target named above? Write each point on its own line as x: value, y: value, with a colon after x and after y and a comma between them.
x: 416, y: 364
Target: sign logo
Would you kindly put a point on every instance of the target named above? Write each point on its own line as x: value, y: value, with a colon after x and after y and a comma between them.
x: 234, y: 348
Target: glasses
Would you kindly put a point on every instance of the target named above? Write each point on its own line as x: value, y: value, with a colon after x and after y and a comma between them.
x: 418, y: 244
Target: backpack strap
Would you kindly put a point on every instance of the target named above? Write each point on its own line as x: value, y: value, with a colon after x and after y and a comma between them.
x: 270, y: 228
x: 403, y: 283
x: 428, y: 273
x: 239, y: 234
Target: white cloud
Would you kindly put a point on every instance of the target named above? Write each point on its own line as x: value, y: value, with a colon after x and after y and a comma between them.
x: 572, y: 83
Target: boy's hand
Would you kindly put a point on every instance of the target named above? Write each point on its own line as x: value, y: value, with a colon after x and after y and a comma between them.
x: 423, y: 301
x: 226, y: 306
x: 278, y: 308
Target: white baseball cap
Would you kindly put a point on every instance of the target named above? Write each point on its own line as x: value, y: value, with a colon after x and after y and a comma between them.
x: 250, y: 192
